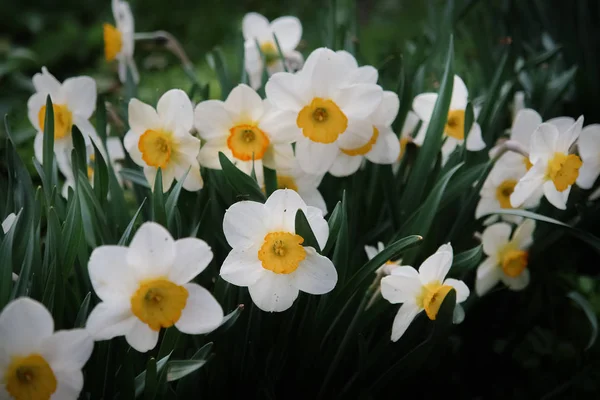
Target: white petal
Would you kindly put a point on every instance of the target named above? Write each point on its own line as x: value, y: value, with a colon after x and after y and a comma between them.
x: 528, y: 185
x: 556, y: 198
x: 46, y: 83
x: 488, y: 275
x: 273, y: 292
x: 318, y: 225
x: 315, y: 158
x: 34, y: 105
x: 347, y: 58
x: 360, y: 100
x: 462, y: 291
x: 588, y: 173
x: 345, y: 165
x: 485, y: 206
x: 589, y: 143
x: 494, y: 237
x: 175, y: 109
x: 69, y: 383
x: 386, y: 112
x: 212, y: 120
x: 420, y: 137
x: 313, y: 198
x: 423, y: 105
x: 525, y: 123
x: 517, y: 283
x: 523, y: 235
x: 543, y: 142
x: 202, y: 313
x: 282, y: 206
x: 280, y: 126
x: 287, y: 91
x: 193, y: 181
x: 403, y: 286
x: 130, y: 141
x: 209, y: 155
x: 279, y: 156
x: 288, y: 31
x: 371, y: 252
x: 141, y: 337
x: 244, y: 102
x: 459, y: 314
x: 324, y: 72
x: 567, y: 138
x: 254, y: 26
x: 562, y: 124
x: 475, y: 140
x: 315, y: 274
x: 406, y: 314
x: 242, y: 267
x: 245, y: 224
x: 386, y: 149
x: 152, y: 250
x: 460, y: 94
x: 410, y: 123
x: 24, y: 324
x: 67, y: 349
x: 115, y: 149
x: 80, y: 94
x: 435, y: 267
x: 109, y: 320
x: 141, y: 118
x: 193, y: 256
x: 111, y: 276
x: 358, y: 133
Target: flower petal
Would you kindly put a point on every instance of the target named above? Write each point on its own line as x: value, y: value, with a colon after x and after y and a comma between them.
x: 567, y: 138
x: 193, y: 256
x: 402, y: 286
x: 525, y: 123
x: 287, y: 91
x: 494, y: 237
x: 244, y: 102
x: 280, y: 126
x: 318, y: 225
x: 435, y: 267
x: 313, y: 198
x: 556, y: 198
x: 242, y: 267
x: 111, y: 276
x: 282, y: 206
x: 142, y: 117
x: 488, y: 275
x: 359, y: 100
x: 46, y: 84
x: 386, y: 112
x: 528, y: 185
x: 80, y: 94
x: 475, y: 140
x: 523, y: 235
x: 68, y: 349
x: 255, y: 26
x: 202, y: 313
x: 518, y: 282
x: 562, y: 124
x: 315, y: 274
x: 34, y: 105
x: 141, y: 337
x: 406, y: 314
x: 193, y: 181
x: 69, y: 383
x: 152, y: 250
x: 460, y: 94
x: 423, y: 105
x: 315, y: 158
x: 543, y: 143
x: 245, y: 224
x: 209, y: 155
x: 212, y: 120
x: 386, y: 149
x: 371, y: 252
x: 273, y: 292
x: 358, y: 133
x: 175, y: 109
x: 24, y: 324
x: 288, y: 31
x: 462, y: 291
x: 109, y: 320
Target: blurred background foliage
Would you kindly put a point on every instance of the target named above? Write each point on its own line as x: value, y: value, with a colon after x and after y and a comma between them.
x: 511, y: 345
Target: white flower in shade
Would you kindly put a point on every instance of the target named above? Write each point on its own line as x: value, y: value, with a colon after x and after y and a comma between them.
x: 244, y: 128
x: 35, y: 361
x: 73, y: 103
x: 388, y: 267
x: 382, y: 148
x: 525, y: 123
x: 119, y: 41
x: 423, y: 290
x: 410, y: 124
x: 329, y: 110
x: 147, y: 286
x: 267, y: 254
x: 454, y: 129
x: 589, y: 151
x: 553, y: 168
x: 306, y: 185
x: 256, y: 28
x: 161, y: 139
x: 507, y: 257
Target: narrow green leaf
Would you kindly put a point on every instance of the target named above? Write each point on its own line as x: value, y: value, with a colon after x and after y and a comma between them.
x: 83, y: 312
x: 303, y: 229
x: 125, y: 237
x: 48, y: 143
x: 140, y: 380
x: 174, y: 196
x: 340, y: 253
x: 134, y: 176
x: 334, y: 222
x: 244, y: 186
x: 101, y: 179
x: 101, y: 119
x: 169, y: 342
x: 270, y: 180
x: 151, y: 379
x: 6, y: 263
x: 216, y: 62
x: 72, y: 231
x: 590, y: 313
x: 80, y: 150
x: 229, y: 320
x: 280, y: 53
x: 466, y: 261
x: 491, y: 97
x: 181, y: 368
x: 159, y: 214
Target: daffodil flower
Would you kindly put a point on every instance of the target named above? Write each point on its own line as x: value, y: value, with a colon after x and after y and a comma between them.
x: 388, y: 267
x: 161, y: 139
x: 507, y: 257
x: 410, y: 124
x: 247, y: 130
x: 73, y: 103
x: 307, y: 185
x: 553, y: 169
x: 423, y: 290
x: 330, y: 111
x: 256, y: 28
x: 525, y: 123
x: 147, y: 286
x: 36, y: 362
x: 589, y: 151
x: 454, y: 129
x: 268, y: 255
x: 119, y: 41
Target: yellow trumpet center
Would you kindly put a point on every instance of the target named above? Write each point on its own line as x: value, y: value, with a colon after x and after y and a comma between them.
x: 362, y: 150
x: 156, y: 147
x: 113, y: 42
x: 431, y: 298
x: 503, y: 192
x: 282, y: 252
x: 322, y: 121
x: 563, y: 170
x: 269, y: 50
x: 455, y: 125
x: 247, y: 140
x: 286, y: 182
x: 30, y: 377
x: 513, y: 261
x: 159, y: 303
x: 527, y: 163
x: 63, y: 120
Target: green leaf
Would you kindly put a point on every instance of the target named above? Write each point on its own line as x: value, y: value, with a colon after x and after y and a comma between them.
x: 303, y: 229
x: 151, y: 379
x: 83, y: 312
x: 169, y: 342
x: 125, y: 237
x: 101, y: 119
x: 155, y: 368
x: 340, y: 254
x: 6, y: 263
x: 80, y: 150
x: 270, y: 180
x: 72, y: 231
x: 244, y: 186
x: 48, y: 143
x: 334, y: 222
x: 466, y: 261
x: 159, y: 213
x: 174, y: 196
x: 491, y: 97
x: 590, y: 313
x: 134, y: 176
x: 181, y: 368
x: 216, y: 62
x: 101, y: 179
x: 280, y: 53
x: 229, y: 320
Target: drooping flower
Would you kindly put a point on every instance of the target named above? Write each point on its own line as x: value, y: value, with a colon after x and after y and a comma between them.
x: 161, y: 139
x: 589, y: 151
x: 73, y: 103
x: 507, y: 257
x: 454, y: 129
x: 268, y: 255
x: 553, y: 169
x: 306, y: 185
x: 35, y: 361
x: 247, y: 130
x: 330, y: 111
x: 119, y: 41
x: 256, y: 28
x: 410, y: 124
x: 423, y: 290
x: 389, y: 266
x: 147, y: 286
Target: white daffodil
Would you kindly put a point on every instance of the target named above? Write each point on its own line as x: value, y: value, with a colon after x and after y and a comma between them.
x: 306, y: 185
x: 455, y: 124
x: 119, y: 41
x: 410, y: 124
x: 423, y: 290
x: 256, y: 28
x: 161, y: 139
x: 35, y: 361
x: 329, y: 110
x: 382, y: 148
x: 73, y: 103
x: 589, y: 151
x: 388, y: 267
x: 267, y: 255
x: 553, y: 168
x: 525, y: 123
x: 245, y: 128
x: 147, y: 286
x: 507, y: 257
